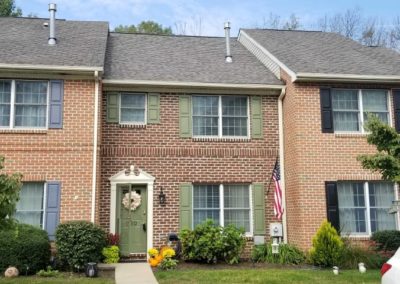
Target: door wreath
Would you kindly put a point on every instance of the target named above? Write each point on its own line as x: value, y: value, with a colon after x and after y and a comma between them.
x: 133, y: 202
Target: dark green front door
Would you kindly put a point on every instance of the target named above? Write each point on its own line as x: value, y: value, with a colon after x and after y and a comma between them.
x: 132, y: 224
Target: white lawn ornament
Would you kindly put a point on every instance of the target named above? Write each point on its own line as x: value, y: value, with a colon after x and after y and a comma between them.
x: 361, y: 267
x: 11, y: 272
x: 335, y: 270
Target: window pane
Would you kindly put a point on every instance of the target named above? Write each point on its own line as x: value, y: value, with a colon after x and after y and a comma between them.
x: 30, y: 205
x: 374, y: 100
x: 133, y: 108
x: 346, y: 121
x: 234, y: 116
x: 5, y: 101
x: 237, y: 206
x: 345, y: 110
x: 234, y: 106
x: 352, y: 210
x: 205, y: 203
x: 205, y: 115
x: 30, y: 104
x: 345, y: 99
x: 381, y: 195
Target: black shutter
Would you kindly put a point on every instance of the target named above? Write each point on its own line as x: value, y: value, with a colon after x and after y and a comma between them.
x: 332, y: 204
x: 326, y: 110
x: 396, y: 105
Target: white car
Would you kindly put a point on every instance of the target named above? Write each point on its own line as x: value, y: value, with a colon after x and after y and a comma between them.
x: 390, y: 270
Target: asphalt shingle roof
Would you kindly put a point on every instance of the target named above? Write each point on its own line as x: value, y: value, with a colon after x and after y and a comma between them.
x: 182, y: 59
x: 79, y: 43
x: 328, y: 53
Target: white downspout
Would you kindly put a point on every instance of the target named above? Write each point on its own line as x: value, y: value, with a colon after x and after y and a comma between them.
x: 282, y: 161
x: 96, y: 123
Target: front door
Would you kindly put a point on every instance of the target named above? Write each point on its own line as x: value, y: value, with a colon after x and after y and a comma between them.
x: 132, y: 223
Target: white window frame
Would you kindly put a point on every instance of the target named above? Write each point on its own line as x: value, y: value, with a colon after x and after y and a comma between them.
x: 222, y: 208
x: 43, y: 227
x: 368, y: 232
x: 12, y: 106
x: 220, y: 118
x: 120, y: 109
x: 361, y: 111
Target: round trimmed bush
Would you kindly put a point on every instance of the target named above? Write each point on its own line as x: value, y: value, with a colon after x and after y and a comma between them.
x: 25, y: 247
x: 79, y: 242
x: 388, y: 240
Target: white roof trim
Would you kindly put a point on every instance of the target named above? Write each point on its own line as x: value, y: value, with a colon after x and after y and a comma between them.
x: 49, y: 67
x: 190, y: 84
x: 291, y: 73
x: 346, y: 77
x: 132, y: 175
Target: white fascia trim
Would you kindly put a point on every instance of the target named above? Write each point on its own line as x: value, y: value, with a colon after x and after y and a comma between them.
x: 50, y: 67
x: 347, y: 77
x: 282, y: 162
x: 95, y: 134
x: 269, y: 54
x: 190, y: 84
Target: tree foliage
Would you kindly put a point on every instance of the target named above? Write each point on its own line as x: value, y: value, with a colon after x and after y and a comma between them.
x: 10, y: 186
x: 387, y: 142
x: 145, y: 27
x: 8, y: 9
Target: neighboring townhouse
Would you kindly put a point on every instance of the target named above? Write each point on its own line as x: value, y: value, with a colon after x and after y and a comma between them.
x: 202, y: 131
x: 47, y: 114
x: 332, y: 83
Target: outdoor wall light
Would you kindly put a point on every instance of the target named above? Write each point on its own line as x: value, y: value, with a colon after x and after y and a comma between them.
x: 162, y: 197
x: 275, y: 246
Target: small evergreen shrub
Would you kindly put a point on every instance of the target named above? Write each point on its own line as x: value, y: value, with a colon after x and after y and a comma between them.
x: 211, y: 243
x: 48, y: 273
x: 288, y: 254
x: 25, y: 247
x: 327, y: 246
x: 111, y: 254
x: 388, y: 240
x: 79, y: 242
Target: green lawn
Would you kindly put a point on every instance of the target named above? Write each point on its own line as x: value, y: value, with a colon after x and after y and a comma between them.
x: 278, y: 276
x: 62, y: 278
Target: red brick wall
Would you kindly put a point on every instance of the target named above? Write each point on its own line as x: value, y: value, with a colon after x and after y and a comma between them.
x: 313, y: 157
x: 159, y: 150
x: 59, y: 154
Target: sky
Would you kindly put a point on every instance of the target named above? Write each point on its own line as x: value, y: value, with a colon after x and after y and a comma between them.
x: 207, y: 17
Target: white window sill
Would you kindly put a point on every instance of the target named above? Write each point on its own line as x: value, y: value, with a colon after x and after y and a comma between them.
x: 126, y: 125
x: 220, y: 139
x: 351, y: 134
x: 23, y: 130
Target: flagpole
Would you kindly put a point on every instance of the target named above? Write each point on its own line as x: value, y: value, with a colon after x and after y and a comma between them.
x: 272, y: 174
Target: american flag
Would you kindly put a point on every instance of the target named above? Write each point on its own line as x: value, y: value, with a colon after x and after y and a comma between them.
x: 278, y: 207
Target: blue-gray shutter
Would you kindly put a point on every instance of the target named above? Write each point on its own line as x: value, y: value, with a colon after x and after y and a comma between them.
x: 396, y: 105
x: 326, y: 110
x: 56, y: 104
x: 332, y: 204
x: 52, y: 208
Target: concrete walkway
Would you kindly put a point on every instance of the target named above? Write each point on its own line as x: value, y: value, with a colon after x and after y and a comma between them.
x: 134, y: 273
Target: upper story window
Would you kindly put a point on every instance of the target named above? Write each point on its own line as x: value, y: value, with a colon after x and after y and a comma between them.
x: 351, y: 107
x: 23, y: 104
x: 132, y: 108
x: 220, y: 116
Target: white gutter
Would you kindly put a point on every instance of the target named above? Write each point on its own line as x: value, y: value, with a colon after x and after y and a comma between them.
x: 282, y: 162
x: 96, y: 123
x: 50, y: 67
x: 189, y: 84
x: 346, y: 78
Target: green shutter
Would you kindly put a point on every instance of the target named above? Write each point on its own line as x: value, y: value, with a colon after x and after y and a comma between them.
x: 153, y: 108
x: 185, y: 116
x: 259, y: 209
x: 112, y: 107
x: 185, y: 206
x: 256, y: 117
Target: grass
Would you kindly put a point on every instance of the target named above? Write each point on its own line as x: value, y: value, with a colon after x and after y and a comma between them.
x: 62, y: 278
x: 271, y: 276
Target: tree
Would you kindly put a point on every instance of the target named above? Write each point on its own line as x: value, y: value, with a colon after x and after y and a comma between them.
x: 8, y: 9
x: 10, y: 186
x: 387, y: 142
x: 145, y: 27
x: 292, y: 24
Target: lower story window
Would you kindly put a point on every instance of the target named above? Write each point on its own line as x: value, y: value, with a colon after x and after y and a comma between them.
x: 363, y: 207
x: 225, y: 204
x: 30, y: 205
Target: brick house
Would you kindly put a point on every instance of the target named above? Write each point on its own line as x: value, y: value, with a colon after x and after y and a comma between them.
x: 99, y: 117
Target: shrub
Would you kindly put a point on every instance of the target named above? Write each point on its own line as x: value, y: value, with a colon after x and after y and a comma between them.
x: 288, y: 254
x: 79, y: 242
x: 388, y: 240
x: 327, y: 246
x: 168, y: 264
x: 48, y: 273
x: 211, y: 243
x: 111, y: 254
x: 25, y: 247
x: 113, y: 239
